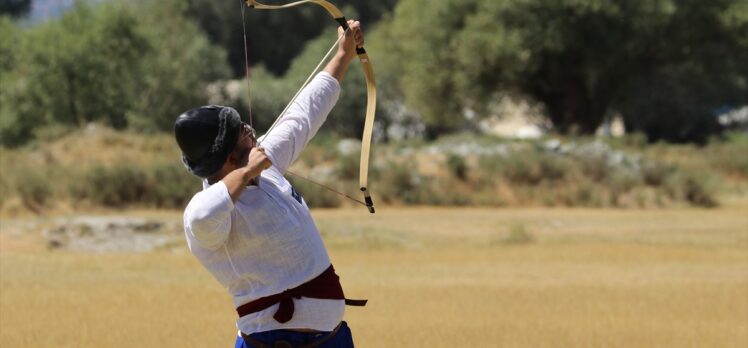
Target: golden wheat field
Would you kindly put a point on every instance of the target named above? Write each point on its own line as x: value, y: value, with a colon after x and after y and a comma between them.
x: 468, y: 277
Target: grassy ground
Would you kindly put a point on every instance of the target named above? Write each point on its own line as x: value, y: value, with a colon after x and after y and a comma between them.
x: 434, y: 278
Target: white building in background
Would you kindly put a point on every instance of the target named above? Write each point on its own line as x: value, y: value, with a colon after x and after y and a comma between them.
x: 516, y: 119
x: 612, y: 127
x: 512, y: 126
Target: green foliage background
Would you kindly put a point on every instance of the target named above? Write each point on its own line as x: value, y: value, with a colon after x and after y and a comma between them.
x: 116, y: 63
x: 665, y: 64
x: 668, y: 66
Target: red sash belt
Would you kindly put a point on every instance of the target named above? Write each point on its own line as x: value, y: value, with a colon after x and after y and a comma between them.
x: 325, y: 286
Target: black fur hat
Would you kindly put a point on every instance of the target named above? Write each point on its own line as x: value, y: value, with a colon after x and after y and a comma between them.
x: 206, y: 136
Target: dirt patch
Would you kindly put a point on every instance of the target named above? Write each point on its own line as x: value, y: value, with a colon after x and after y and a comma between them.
x: 112, y: 234
x: 93, y: 233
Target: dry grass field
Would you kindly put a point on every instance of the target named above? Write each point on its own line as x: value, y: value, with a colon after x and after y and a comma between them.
x: 434, y: 278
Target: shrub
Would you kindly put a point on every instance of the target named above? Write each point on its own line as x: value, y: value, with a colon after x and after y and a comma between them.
x: 170, y: 186
x: 619, y: 184
x: 401, y: 183
x: 655, y: 174
x: 5, y: 192
x: 457, y: 166
x: 586, y: 195
x: 34, y: 189
x: 594, y: 166
x: 116, y: 186
x: 691, y: 188
x: 521, y: 170
x: 729, y: 156
x: 696, y: 192
x: 405, y: 185
x: 526, y: 167
x: 348, y: 166
x: 552, y: 167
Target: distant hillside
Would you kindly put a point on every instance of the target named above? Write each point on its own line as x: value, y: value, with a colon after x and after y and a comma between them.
x: 99, y: 168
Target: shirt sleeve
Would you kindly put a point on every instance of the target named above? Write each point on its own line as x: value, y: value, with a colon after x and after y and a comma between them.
x: 207, y: 218
x: 304, y: 117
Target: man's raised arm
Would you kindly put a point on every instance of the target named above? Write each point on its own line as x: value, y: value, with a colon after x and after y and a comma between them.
x: 338, y: 65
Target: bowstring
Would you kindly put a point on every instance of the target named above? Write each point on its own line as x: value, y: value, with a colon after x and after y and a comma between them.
x: 246, y: 64
x: 326, y: 187
x: 309, y: 78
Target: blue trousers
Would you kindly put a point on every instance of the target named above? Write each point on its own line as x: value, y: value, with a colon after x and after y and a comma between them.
x: 343, y: 338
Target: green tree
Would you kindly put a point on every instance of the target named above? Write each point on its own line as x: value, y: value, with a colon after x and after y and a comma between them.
x: 275, y: 37
x: 111, y: 63
x: 580, y: 58
x: 179, y: 68
x: 14, y: 129
x: 86, y: 66
x: 270, y: 94
x: 419, y: 47
x: 706, y: 74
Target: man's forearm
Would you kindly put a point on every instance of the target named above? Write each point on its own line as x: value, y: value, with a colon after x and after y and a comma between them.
x: 237, y: 180
x: 338, y: 66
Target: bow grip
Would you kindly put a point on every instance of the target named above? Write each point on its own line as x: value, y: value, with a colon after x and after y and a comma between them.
x: 344, y: 24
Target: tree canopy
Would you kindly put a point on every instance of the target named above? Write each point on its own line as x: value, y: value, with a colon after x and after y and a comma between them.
x: 109, y: 63
x: 668, y: 66
x: 274, y: 38
x: 582, y: 59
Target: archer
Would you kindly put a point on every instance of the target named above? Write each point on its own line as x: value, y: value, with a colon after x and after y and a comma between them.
x: 252, y: 230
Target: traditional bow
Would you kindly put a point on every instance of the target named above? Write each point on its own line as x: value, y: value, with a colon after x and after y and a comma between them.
x: 371, y: 89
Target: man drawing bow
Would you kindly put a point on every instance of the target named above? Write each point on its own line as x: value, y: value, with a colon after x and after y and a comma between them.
x: 251, y: 229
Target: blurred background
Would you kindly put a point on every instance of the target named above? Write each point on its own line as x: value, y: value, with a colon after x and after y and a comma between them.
x: 533, y: 161
x: 572, y: 103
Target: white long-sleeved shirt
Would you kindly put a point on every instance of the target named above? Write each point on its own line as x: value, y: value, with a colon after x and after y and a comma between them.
x: 267, y: 242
